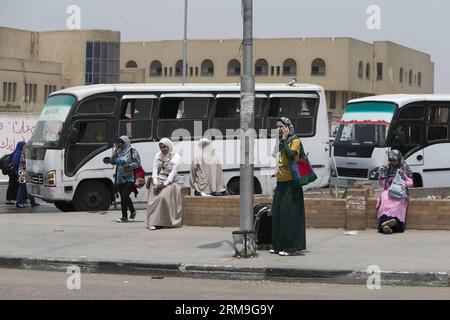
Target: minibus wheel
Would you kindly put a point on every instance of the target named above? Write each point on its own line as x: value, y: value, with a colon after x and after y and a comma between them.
x: 92, y: 196
x: 64, y: 206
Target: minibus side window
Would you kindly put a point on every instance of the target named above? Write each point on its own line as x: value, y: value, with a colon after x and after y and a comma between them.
x: 412, y: 113
x: 437, y: 119
x: 97, y: 105
x: 178, y: 114
x: 135, y: 119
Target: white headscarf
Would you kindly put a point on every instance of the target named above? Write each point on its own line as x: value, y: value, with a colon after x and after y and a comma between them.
x: 163, y: 161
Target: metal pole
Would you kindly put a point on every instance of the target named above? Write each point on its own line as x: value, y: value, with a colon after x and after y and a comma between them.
x: 247, y: 121
x: 185, y: 41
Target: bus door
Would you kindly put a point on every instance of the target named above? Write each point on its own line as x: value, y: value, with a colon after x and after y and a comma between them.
x: 436, y: 169
x: 408, y: 134
x: 91, y: 132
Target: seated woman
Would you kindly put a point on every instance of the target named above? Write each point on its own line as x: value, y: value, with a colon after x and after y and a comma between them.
x: 206, y: 172
x: 391, y: 212
x: 164, y: 197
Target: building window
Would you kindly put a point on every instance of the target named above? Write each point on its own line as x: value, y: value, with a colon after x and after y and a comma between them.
x: 289, y: 68
x: 155, y: 69
x: 131, y: 64
x: 179, y: 68
x: 170, y: 71
x: 278, y: 70
x: 261, y: 67
x: 419, y: 79
x: 333, y: 100
x: 9, y: 91
x: 196, y: 71
x: 368, y: 71
x: 360, y: 70
x: 207, y: 68
x: 30, y: 92
x: 234, y: 68
x: 379, y: 71
x: 401, y: 75
x: 191, y: 71
x: 272, y: 70
x: 318, y: 67
x: 103, y: 62
x: 48, y: 89
x: 410, y: 77
x: 165, y: 71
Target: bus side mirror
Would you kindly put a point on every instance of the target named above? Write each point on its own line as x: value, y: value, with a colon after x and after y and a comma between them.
x: 107, y: 160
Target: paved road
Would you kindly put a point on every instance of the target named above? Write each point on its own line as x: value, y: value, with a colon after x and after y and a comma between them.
x: 25, y: 284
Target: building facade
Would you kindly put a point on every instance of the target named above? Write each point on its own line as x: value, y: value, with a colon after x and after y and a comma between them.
x: 34, y: 64
x: 347, y: 68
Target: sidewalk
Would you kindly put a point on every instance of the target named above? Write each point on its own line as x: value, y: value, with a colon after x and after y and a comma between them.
x: 97, y: 243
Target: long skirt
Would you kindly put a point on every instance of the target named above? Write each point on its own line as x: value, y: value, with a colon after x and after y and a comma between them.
x: 164, y: 209
x: 288, y: 218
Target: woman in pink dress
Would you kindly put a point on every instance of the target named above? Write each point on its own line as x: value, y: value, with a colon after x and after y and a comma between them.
x: 391, y: 212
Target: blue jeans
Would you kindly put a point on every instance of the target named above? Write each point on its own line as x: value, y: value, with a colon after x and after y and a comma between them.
x: 22, y: 195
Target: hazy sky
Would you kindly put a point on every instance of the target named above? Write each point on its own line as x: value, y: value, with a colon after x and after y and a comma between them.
x: 420, y: 24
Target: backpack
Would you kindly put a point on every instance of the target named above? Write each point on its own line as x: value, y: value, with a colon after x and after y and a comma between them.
x: 139, y: 175
x: 6, y: 164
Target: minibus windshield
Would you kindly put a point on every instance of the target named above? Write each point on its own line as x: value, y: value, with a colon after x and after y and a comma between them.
x: 51, y: 121
x: 365, y: 124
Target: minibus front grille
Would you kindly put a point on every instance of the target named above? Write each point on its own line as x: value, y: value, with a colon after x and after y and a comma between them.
x: 36, y: 178
x: 353, y: 173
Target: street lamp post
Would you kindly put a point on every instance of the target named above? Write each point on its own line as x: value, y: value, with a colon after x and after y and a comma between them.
x: 247, y: 121
x: 185, y: 41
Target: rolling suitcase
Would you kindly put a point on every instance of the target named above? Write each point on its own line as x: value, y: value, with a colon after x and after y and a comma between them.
x: 263, y: 225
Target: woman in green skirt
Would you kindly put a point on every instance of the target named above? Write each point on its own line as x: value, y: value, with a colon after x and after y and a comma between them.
x: 288, y: 207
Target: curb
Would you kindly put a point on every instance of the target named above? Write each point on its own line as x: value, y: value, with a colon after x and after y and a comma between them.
x: 223, y: 272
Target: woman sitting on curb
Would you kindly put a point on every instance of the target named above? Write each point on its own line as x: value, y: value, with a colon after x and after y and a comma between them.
x: 391, y: 212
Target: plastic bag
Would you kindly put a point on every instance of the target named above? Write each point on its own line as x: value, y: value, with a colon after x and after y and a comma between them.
x: 397, y: 190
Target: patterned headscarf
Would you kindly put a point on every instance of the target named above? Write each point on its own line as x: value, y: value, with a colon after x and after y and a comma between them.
x: 126, y: 148
x: 288, y: 124
x: 390, y: 171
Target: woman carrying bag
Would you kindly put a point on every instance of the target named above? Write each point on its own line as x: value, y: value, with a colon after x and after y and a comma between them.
x: 127, y: 161
x: 393, y: 202
x: 288, y: 207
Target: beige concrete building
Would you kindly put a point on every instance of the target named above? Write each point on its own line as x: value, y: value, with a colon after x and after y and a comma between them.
x: 347, y: 68
x: 34, y: 64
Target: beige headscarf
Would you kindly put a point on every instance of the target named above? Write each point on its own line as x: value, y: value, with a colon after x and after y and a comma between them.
x: 206, y: 171
x: 164, y: 161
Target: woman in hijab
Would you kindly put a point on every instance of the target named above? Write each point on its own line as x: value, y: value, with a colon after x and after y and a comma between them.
x: 391, y: 212
x: 127, y: 160
x: 13, y: 184
x: 164, y: 197
x: 206, y: 172
x: 20, y: 165
x: 288, y: 207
